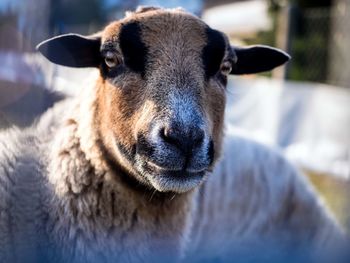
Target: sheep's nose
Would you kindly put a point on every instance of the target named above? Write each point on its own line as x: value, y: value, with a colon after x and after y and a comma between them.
x: 183, y: 138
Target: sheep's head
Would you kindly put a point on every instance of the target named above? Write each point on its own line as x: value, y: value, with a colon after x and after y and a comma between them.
x: 161, y: 94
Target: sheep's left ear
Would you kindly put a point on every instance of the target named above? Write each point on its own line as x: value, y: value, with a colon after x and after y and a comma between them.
x: 72, y: 50
x: 259, y: 58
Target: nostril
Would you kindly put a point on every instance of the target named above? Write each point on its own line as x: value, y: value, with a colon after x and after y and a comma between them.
x: 185, y: 139
x: 163, y: 133
x: 166, y: 132
x: 168, y: 135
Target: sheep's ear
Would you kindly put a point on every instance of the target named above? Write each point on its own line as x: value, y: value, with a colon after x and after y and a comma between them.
x: 72, y: 50
x: 259, y: 58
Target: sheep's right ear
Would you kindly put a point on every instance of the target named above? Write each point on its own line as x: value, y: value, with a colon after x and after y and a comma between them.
x: 258, y: 58
x: 72, y: 50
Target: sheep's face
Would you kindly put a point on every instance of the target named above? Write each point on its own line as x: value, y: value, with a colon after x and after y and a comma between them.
x: 161, y: 95
x: 163, y: 106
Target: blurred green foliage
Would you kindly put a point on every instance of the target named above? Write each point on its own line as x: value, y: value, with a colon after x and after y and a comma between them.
x: 308, y: 39
x: 309, y: 44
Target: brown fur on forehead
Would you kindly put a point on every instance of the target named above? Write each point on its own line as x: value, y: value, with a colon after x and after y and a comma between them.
x: 174, y: 41
x: 157, y: 20
x: 174, y: 32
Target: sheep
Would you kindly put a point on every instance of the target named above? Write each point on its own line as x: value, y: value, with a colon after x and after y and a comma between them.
x: 130, y: 170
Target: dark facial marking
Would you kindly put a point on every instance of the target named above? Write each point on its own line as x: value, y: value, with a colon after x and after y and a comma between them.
x: 211, y: 152
x: 213, y: 52
x: 134, y: 50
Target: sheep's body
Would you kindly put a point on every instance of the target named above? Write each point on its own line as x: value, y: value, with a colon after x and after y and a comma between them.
x: 60, y: 203
x: 263, y: 209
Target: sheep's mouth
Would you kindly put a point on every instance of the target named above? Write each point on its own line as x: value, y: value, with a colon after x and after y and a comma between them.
x: 172, y: 172
x: 177, y: 171
x: 176, y: 181
x: 171, y: 180
x: 171, y: 177
x: 167, y: 169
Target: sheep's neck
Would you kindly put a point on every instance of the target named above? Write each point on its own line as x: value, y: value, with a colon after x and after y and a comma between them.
x: 92, y: 199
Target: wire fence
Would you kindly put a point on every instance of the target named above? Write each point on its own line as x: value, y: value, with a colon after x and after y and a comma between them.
x: 319, y: 45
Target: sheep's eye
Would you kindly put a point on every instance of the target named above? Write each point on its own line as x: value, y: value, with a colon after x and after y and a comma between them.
x: 112, y: 59
x: 226, y: 67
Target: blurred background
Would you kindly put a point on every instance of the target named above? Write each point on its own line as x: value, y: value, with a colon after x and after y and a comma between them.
x: 303, y: 109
